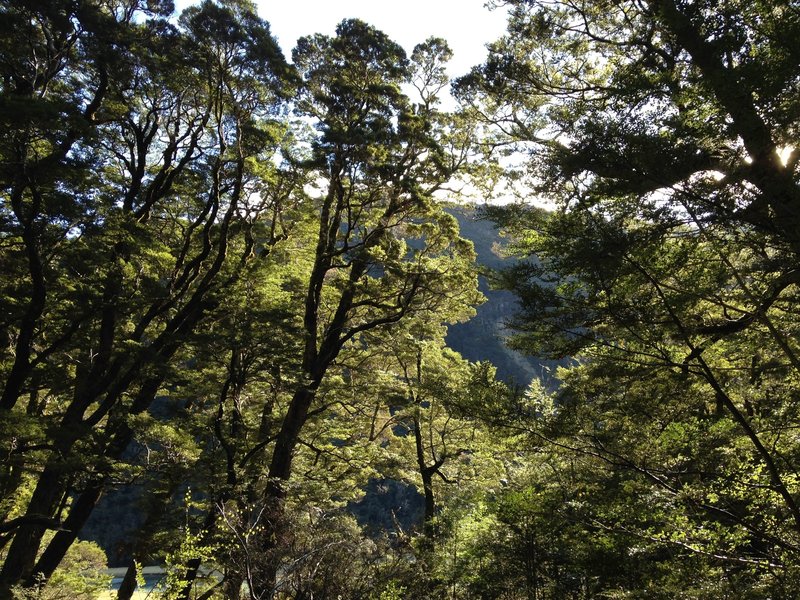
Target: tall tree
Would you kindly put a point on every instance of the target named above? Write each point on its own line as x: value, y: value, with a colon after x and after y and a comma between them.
x: 378, y: 159
x: 662, y: 132
x: 126, y: 226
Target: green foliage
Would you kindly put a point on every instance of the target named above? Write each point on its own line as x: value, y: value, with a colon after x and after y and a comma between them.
x: 666, y: 269
x: 80, y: 575
x: 392, y: 592
x: 199, y: 291
x: 192, y: 548
x: 204, y: 293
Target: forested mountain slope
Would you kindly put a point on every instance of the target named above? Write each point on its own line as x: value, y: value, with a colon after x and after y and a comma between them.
x: 482, y: 338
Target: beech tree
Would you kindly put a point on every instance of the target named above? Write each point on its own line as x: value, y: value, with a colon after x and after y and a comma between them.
x: 123, y: 228
x: 194, y: 276
x: 378, y: 160
x: 662, y: 132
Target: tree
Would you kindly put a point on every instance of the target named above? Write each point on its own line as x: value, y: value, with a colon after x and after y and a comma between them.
x: 662, y: 132
x: 80, y: 575
x: 123, y: 228
x: 449, y: 447
x: 378, y: 160
x: 634, y: 98
x: 199, y: 291
x: 357, y: 246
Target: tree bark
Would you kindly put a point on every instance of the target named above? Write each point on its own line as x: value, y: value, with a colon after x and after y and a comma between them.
x: 128, y: 585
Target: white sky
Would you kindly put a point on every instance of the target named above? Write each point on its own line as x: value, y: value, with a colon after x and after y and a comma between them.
x: 466, y: 24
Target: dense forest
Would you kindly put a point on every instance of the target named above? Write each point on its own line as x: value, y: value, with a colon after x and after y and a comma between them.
x: 233, y: 285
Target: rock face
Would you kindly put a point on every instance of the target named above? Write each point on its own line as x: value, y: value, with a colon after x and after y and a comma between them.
x: 481, y: 338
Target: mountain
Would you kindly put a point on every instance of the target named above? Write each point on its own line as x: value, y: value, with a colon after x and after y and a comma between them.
x: 482, y: 337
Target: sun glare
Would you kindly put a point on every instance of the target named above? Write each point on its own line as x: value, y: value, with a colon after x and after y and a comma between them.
x: 785, y: 154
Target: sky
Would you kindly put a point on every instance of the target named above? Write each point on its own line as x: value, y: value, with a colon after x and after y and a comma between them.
x: 466, y: 24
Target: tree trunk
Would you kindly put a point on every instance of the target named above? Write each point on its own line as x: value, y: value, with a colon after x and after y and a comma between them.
x: 193, y: 564
x: 426, y: 473
x: 280, y: 470
x: 78, y: 515
x: 128, y: 585
x: 21, y: 557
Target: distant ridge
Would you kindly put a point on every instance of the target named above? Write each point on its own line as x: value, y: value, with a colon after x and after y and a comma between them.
x: 481, y: 338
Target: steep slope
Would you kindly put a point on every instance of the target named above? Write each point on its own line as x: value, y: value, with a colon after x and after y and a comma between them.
x: 482, y: 338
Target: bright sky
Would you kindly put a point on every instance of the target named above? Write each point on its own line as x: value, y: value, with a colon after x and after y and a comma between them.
x: 466, y: 24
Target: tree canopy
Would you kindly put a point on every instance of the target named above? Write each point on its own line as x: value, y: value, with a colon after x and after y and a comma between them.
x: 663, y: 134
x: 227, y: 278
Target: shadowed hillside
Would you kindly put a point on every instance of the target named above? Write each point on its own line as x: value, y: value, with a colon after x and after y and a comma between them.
x: 481, y: 338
